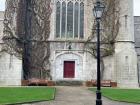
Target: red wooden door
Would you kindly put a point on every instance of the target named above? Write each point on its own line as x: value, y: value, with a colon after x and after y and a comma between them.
x: 69, y: 69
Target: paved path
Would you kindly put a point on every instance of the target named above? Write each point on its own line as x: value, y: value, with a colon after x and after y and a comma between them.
x: 77, y: 96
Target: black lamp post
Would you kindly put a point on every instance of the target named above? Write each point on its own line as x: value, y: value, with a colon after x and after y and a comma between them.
x: 98, y: 11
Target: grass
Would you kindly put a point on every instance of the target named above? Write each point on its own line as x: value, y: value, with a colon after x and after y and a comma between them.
x: 14, y: 95
x: 123, y: 95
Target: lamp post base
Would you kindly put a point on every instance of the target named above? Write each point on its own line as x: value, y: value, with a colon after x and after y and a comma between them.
x: 98, y: 98
x: 98, y: 102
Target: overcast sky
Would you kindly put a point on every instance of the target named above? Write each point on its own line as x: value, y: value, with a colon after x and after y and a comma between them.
x: 2, y: 5
x: 136, y: 6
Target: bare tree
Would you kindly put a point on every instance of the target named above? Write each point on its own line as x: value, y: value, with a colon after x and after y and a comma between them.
x: 26, y: 34
x: 109, y: 31
x: 27, y: 29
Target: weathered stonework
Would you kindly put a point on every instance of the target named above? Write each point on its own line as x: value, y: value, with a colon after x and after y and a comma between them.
x: 10, y: 71
x: 121, y: 67
x: 125, y: 54
x: 10, y: 66
x: 137, y: 40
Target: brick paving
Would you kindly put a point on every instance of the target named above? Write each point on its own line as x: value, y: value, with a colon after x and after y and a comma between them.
x: 77, y: 96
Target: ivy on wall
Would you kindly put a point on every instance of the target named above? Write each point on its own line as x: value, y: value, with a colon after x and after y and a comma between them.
x: 26, y: 33
x: 109, y: 31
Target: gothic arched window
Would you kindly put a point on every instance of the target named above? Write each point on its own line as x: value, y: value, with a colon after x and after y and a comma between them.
x: 69, y: 19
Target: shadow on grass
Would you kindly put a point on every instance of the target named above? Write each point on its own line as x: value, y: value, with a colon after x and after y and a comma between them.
x: 121, y: 95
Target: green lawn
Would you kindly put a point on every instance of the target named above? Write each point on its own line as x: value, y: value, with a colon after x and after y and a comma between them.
x: 25, y: 94
x: 125, y: 95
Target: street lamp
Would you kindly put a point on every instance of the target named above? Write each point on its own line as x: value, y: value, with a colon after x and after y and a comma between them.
x: 98, y: 12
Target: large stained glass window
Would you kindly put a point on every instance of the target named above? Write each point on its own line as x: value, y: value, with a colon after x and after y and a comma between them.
x: 70, y: 19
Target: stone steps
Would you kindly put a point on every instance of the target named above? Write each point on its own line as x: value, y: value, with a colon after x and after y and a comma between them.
x: 69, y: 83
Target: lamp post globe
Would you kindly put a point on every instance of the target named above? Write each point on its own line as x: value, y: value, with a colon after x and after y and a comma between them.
x: 98, y: 12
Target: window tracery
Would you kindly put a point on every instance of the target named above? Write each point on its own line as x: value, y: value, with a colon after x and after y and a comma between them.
x: 70, y: 19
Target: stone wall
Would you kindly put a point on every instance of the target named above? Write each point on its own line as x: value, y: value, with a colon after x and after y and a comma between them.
x: 10, y: 66
x: 121, y: 67
x: 85, y: 63
x: 10, y: 70
x: 125, y: 54
x: 137, y: 39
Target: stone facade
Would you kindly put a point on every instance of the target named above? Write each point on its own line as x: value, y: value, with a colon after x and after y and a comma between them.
x: 137, y: 40
x: 85, y: 67
x: 10, y: 66
x: 121, y: 67
x: 125, y: 54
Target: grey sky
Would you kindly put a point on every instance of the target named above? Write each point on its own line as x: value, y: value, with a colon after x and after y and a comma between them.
x: 136, y: 6
x: 2, y: 5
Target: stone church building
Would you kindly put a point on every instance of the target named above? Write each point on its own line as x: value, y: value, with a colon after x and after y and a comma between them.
x: 71, y: 24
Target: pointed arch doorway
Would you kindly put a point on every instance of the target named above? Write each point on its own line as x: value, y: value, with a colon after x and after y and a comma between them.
x: 68, y: 66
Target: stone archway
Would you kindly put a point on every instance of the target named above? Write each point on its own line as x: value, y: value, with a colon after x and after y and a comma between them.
x: 58, y: 71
